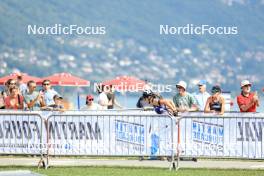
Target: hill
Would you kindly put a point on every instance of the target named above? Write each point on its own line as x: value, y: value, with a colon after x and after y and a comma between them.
x: 132, y: 44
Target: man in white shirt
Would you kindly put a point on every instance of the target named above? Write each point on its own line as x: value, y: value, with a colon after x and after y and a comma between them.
x: 90, y: 105
x: 102, y: 99
x: 202, y: 95
x: 48, y: 93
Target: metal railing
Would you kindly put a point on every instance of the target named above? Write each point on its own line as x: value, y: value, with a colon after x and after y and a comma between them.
x: 87, y: 133
x: 232, y: 135
x: 133, y: 132
x: 115, y: 133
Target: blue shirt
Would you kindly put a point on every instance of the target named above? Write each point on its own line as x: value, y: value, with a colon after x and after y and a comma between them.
x: 31, y: 97
x: 48, y: 97
x: 201, y: 99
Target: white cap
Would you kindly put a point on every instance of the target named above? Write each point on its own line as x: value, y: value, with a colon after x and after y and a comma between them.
x: 182, y: 84
x: 244, y: 83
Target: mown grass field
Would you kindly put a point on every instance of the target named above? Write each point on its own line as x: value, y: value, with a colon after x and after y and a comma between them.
x: 133, y: 171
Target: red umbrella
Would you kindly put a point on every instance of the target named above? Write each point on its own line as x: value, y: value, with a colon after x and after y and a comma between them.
x: 126, y: 83
x: 66, y: 79
x: 25, y: 78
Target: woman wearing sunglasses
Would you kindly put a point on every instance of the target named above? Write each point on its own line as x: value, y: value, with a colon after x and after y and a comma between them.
x: 14, y: 100
x: 90, y: 104
x: 216, y: 102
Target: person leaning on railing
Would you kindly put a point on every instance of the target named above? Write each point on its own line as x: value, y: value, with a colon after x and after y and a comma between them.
x: 48, y: 93
x: 216, y: 102
x: 247, y: 101
x: 57, y: 105
x: 158, y: 102
x: 90, y: 104
x: 14, y: 100
x: 33, y: 99
x: 183, y: 100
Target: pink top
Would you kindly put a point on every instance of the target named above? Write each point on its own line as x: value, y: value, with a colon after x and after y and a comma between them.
x: 14, y: 103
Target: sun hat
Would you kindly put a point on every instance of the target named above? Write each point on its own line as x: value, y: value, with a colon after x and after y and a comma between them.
x: 182, y: 84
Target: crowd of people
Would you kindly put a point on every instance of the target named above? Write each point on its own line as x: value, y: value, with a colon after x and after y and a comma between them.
x: 184, y: 101
x: 20, y: 96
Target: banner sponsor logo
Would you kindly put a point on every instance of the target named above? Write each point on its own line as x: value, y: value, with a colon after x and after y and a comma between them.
x: 15, y: 129
x: 209, y: 133
x: 74, y: 130
x: 128, y: 132
x: 207, y: 136
x: 250, y: 131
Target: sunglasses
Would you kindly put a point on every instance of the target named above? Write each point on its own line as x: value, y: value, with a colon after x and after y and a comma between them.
x: 90, y: 99
x: 47, y: 84
x: 12, y: 84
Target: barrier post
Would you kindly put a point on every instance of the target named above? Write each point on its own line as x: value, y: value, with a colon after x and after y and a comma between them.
x: 47, y: 144
x: 42, y: 160
x: 178, y: 142
x: 172, y: 166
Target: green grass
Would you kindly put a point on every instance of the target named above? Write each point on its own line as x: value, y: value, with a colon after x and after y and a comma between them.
x: 132, y: 171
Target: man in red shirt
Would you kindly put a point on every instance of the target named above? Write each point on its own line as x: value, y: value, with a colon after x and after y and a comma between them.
x: 247, y: 101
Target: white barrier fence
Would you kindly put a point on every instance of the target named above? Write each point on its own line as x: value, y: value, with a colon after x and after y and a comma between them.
x: 233, y: 135
x: 21, y: 133
x: 105, y: 134
x: 87, y: 133
x: 132, y: 133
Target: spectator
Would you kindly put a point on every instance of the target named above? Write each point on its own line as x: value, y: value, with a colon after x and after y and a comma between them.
x: 58, y: 105
x: 9, y: 84
x: 33, y: 99
x: 202, y: 95
x: 48, y: 93
x: 141, y: 103
x: 102, y: 99
x: 160, y: 104
x: 247, y: 101
x: 5, y: 92
x: 2, y: 100
x: 90, y: 104
x: 216, y: 102
x: 111, y: 98
x: 14, y: 100
x: 21, y: 85
x: 183, y: 100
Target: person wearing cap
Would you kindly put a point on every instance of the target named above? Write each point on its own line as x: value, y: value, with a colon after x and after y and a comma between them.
x: 216, y: 102
x: 247, y: 101
x: 202, y: 96
x: 183, y: 100
x: 90, y: 104
x: 57, y: 106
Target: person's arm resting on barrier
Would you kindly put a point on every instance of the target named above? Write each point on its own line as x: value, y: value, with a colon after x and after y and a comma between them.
x: 223, y: 106
x: 169, y: 104
x: 39, y: 98
x: 207, y: 106
x: 245, y: 107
